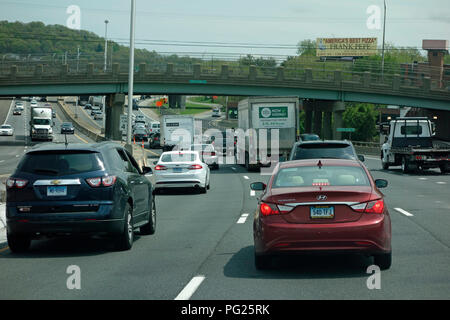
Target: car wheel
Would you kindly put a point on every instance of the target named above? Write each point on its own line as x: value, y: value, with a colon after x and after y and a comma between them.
x: 150, y: 227
x: 444, y: 168
x: 383, y: 260
x: 125, y: 240
x: 262, y: 262
x: 216, y: 166
x: 405, y: 165
x: 18, y: 243
x: 384, y: 165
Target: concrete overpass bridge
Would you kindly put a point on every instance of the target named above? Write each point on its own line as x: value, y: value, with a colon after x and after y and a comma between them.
x: 322, y: 90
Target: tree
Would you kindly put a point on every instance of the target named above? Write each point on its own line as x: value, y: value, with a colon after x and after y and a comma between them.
x: 306, y: 48
x: 362, y: 117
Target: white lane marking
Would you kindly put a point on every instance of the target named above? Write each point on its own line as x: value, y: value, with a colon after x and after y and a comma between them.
x: 190, y: 288
x: 246, y: 178
x: 17, y: 155
x: 441, y: 182
x: 422, y: 178
x: 406, y: 213
x: 243, y: 218
x: 252, y: 193
x: 372, y: 158
x: 2, y: 161
x: 233, y: 168
x: 9, y: 111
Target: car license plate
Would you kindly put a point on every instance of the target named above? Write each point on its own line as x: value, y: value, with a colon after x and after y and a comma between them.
x: 57, y: 191
x: 322, y: 212
x: 177, y: 170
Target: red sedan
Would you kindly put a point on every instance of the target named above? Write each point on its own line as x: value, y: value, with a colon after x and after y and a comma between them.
x: 325, y: 205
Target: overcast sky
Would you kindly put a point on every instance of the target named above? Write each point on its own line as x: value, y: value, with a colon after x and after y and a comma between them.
x: 267, y: 22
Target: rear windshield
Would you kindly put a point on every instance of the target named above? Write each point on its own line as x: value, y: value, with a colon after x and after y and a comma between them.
x: 325, y: 176
x: 61, y: 163
x: 179, y: 157
x: 411, y: 129
x: 323, y: 150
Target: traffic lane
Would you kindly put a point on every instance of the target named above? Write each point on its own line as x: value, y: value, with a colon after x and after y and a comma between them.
x: 230, y: 272
x: 189, y: 227
x: 5, y: 105
x: 86, y: 117
x: 77, y: 137
x: 424, y: 195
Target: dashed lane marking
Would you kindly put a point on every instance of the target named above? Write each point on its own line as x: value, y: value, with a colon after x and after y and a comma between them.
x: 190, y: 288
x: 406, y: 213
x: 243, y: 218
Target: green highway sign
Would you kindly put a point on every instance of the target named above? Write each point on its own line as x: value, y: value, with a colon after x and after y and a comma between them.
x: 198, y: 81
x: 345, y: 129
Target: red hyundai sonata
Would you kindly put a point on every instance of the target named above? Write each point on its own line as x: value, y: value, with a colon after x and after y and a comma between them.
x: 326, y: 205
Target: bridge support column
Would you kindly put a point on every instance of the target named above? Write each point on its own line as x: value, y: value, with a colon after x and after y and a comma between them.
x: 338, y: 110
x: 317, y: 123
x: 327, y: 125
x: 177, y: 101
x: 114, y: 108
x: 308, y: 106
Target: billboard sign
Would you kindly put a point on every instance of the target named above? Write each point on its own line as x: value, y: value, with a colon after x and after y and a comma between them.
x: 346, y: 47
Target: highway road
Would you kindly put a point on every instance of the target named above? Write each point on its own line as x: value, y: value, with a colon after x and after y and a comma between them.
x: 12, y: 148
x: 208, y: 238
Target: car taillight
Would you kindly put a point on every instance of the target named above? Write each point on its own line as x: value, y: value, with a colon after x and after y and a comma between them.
x: 376, y: 206
x: 195, y: 167
x: 108, y: 181
x: 268, y: 209
x: 96, y: 182
x: 158, y: 167
x: 18, y: 183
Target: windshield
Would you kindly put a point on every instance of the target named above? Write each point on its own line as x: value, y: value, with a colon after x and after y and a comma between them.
x: 61, y: 163
x: 325, y: 176
x: 179, y: 157
x: 322, y: 150
x: 42, y: 122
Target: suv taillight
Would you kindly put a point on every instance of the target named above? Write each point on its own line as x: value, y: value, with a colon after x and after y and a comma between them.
x: 18, y: 183
x: 376, y: 206
x: 101, y: 181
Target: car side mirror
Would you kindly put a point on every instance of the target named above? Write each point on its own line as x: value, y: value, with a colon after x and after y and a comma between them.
x: 258, y: 186
x: 361, y: 158
x: 381, y: 183
x: 147, y: 170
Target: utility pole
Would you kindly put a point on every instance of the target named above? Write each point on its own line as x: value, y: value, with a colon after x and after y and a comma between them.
x: 382, y: 50
x: 78, y: 58
x: 131, y: 70
x: 106, y: 44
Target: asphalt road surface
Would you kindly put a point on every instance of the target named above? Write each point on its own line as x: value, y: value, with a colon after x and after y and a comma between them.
x: 208, y: 238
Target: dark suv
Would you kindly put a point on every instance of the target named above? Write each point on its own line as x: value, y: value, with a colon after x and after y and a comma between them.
x: 90, y: 189
x: 332, y: 149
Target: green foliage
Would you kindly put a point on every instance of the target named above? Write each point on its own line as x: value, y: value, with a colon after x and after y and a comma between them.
x: 362, y: 117
x: 260, y: 62
x: 306, y: 48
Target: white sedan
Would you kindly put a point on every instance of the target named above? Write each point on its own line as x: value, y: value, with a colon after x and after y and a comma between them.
x: 181, y: 169
x: 6, y: 130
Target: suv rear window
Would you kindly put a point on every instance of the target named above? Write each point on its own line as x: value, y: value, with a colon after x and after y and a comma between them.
x: 60, y: 163
x: 325, y: 176
x: 323, y: 150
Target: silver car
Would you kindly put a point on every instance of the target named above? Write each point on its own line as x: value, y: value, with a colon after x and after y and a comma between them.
x: 181, y: 169
x: 6, y: 130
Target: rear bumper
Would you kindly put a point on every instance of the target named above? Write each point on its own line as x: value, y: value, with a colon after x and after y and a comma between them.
x: 179, y: 184
x: 103, y: 221
x: 368, y: 235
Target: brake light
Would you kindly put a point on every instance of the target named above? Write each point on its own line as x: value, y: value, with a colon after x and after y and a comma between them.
x: 94, y: 182
x: 18, y: 183
x: 376, y: 206
x: 195, y: 167
x: 268, y: 209
x: 108, y: 181
x: 158, y: 167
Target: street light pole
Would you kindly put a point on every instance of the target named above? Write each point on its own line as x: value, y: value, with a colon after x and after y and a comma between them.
x: 382, y: 50
x: 131, y: 70
x: 106, y: 43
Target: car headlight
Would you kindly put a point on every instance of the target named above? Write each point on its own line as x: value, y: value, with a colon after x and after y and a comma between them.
x: 50, y: 130
x: 33, y: 130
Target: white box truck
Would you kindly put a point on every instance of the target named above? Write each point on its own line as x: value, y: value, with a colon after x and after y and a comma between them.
x: 41, y: 124
x: 279, y: 117
x: 176, y: 130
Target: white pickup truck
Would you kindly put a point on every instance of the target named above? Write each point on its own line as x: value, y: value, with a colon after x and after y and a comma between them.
x: 410, y: 144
